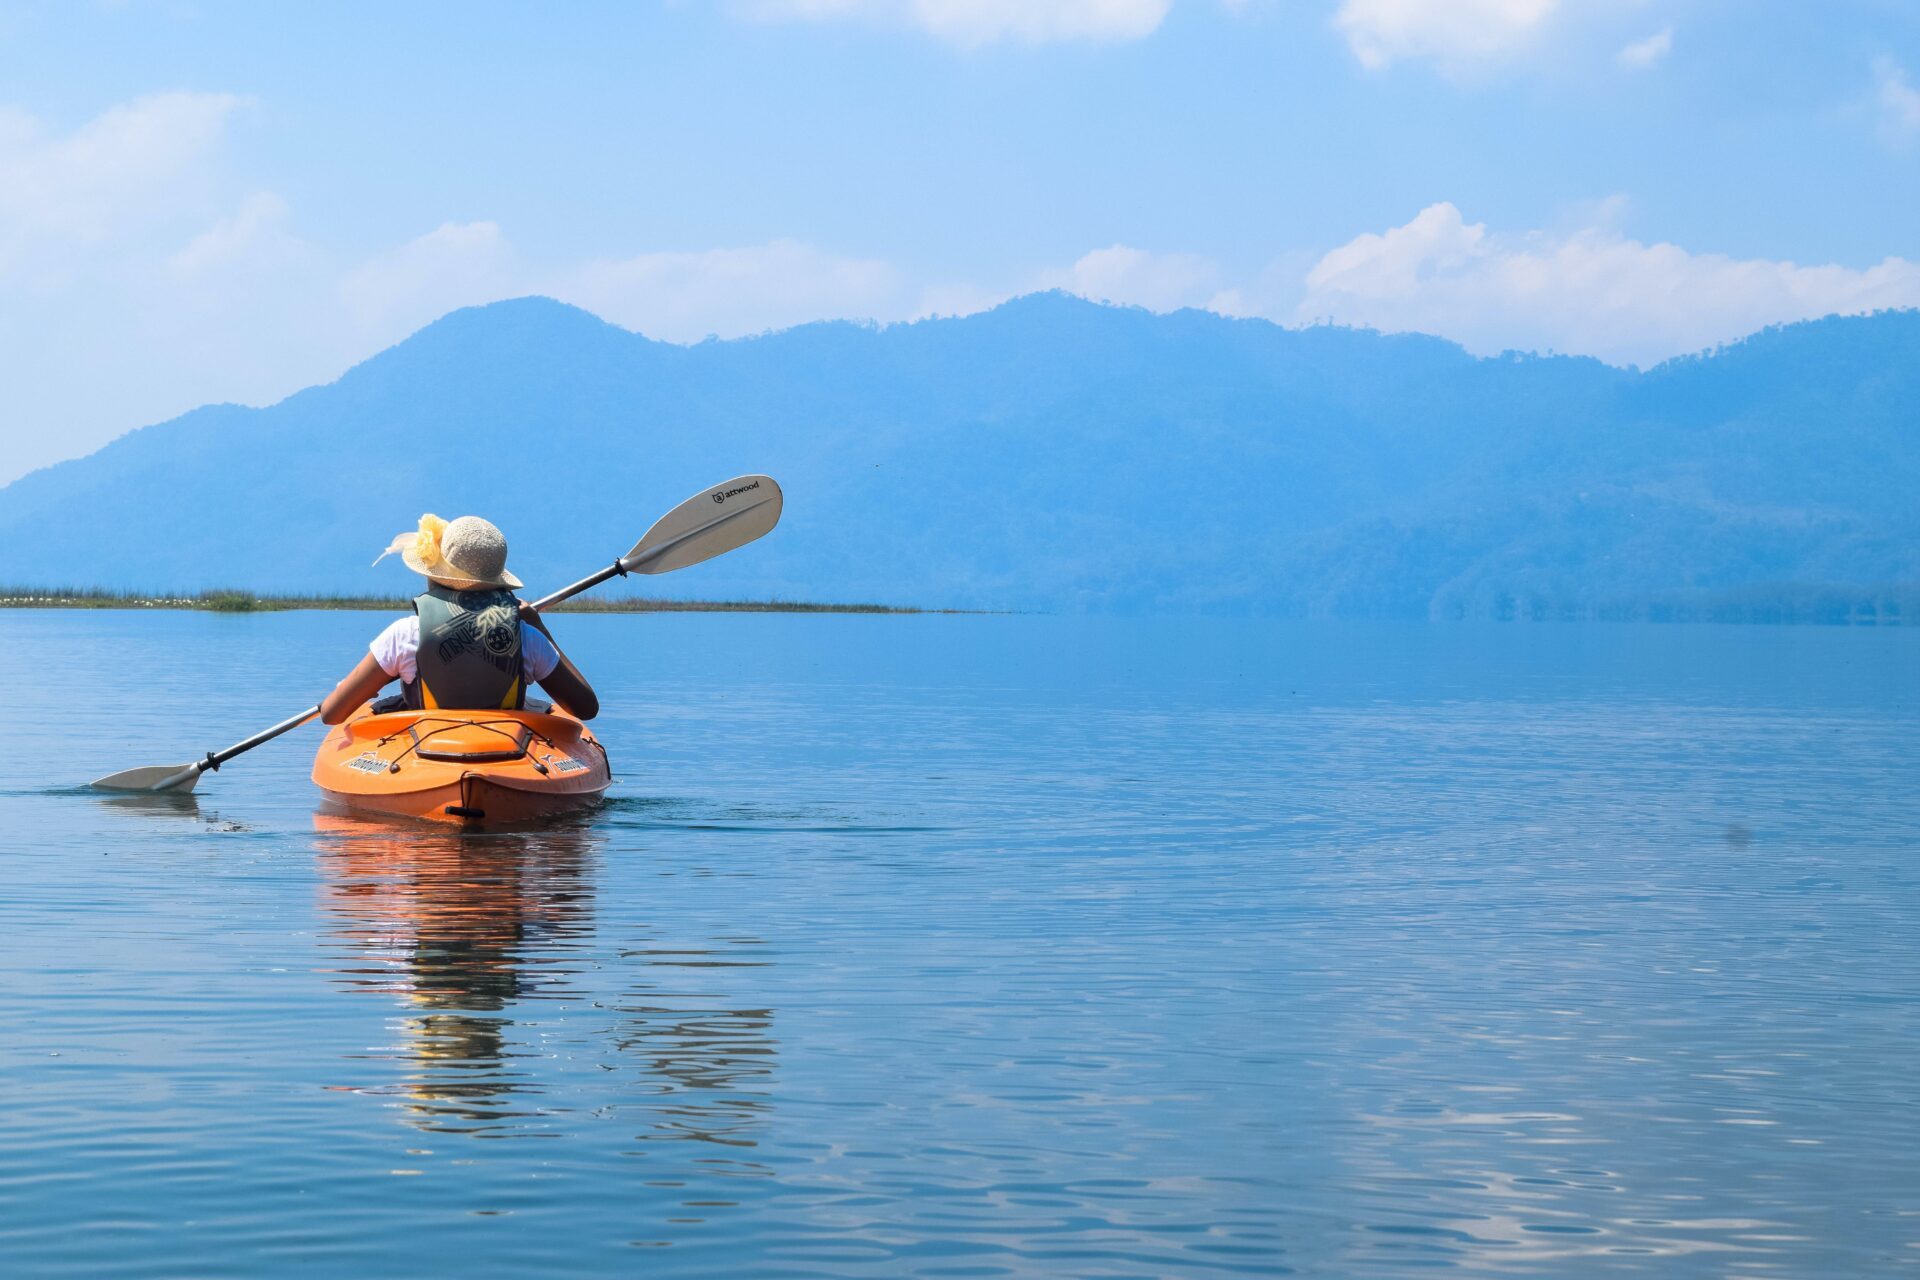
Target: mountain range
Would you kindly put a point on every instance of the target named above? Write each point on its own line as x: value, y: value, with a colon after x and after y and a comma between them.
x: 1051, y: 454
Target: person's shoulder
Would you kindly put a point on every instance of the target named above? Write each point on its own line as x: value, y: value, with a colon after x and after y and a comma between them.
x: 403, y: 630
x: 535, y: 642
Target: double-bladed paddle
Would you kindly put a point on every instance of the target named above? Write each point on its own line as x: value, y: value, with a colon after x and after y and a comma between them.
x: 712, y: 521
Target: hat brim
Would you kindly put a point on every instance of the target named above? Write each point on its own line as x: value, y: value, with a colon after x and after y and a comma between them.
x: 445, y: 572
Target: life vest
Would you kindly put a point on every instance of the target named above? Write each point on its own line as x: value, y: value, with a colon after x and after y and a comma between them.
x: 469, y: 651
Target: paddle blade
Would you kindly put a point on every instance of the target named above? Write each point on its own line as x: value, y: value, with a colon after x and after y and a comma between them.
x: 712, y: 521
x: 153, y: 777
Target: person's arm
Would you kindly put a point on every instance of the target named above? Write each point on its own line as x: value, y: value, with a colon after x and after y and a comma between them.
x: 361, y: 683
x: 568, y: 687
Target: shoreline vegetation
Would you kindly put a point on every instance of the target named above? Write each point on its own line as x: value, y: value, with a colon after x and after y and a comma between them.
x: 1887, y: 604
x: 1771, y: 604
x: 235, y: 601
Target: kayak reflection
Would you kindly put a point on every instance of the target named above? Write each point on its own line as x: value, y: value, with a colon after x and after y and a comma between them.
x: 460, y: 929
x: 474, y: 933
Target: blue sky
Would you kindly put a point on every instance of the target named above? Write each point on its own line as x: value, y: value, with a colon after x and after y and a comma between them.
x: 204, y: 201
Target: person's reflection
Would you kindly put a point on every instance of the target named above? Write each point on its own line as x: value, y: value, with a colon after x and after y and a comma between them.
x: 459, y: 927
x: 462, y: 929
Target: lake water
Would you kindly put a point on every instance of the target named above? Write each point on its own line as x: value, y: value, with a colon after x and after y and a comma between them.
x: 976, y: 946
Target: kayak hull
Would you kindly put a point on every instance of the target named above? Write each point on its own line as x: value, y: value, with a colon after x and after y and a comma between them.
x: 466, y: 768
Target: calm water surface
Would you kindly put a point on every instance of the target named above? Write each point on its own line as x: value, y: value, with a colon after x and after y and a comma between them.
x: 984, y: 946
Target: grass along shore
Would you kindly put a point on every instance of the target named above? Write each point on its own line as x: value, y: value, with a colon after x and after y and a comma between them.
x: 232, y: 601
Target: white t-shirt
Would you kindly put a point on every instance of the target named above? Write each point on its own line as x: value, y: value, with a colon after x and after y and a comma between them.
x: 397, y: 650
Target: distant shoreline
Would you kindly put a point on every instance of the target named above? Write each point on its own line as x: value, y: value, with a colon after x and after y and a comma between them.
x: 1783, y: 604
x: 248, y: 602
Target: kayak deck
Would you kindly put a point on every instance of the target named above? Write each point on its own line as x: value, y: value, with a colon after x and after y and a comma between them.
x: 467, y: 767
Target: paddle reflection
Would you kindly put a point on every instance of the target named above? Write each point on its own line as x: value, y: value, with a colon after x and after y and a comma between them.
x: 708, y: 1058
x: 159, y: 804
x: 472, y: 934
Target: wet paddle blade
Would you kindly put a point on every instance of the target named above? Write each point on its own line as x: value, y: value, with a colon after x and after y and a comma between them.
x: 153, y: 777
x: 712, y: 521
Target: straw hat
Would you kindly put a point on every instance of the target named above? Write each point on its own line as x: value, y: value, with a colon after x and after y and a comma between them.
x: 464, y: 553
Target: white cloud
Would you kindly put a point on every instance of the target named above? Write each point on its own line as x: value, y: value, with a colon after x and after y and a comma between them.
x: 252, y: 238
x: 458, y: 264
x: 130, y: 165
x: 1453, y: 32
x: 1899, y: 101
x: 92, y: 339
x: 1590, y: 291
x: 1135, y: 277
x: 957, y: 300
x: 1643, y: 55
x: 686, y: 296
x: 806, y: 10
x: 971, y: 23
x: 1125, y: 276
x: 1036, y: 21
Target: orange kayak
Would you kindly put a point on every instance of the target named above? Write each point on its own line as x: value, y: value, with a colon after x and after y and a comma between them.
x: 470, y: 767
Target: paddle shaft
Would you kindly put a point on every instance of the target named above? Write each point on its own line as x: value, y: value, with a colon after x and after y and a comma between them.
x: 592, y: 580
x: 214, y: 759
x: 624, y: 565
x: 638, y: 560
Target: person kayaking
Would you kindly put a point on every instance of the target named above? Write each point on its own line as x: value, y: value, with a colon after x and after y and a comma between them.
x: 470, y: 644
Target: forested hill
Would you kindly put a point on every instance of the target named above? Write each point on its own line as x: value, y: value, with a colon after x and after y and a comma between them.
x: 1051, y: 454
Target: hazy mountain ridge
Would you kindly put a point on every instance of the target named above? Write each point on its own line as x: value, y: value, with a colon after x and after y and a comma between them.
x: 1050, y: 454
